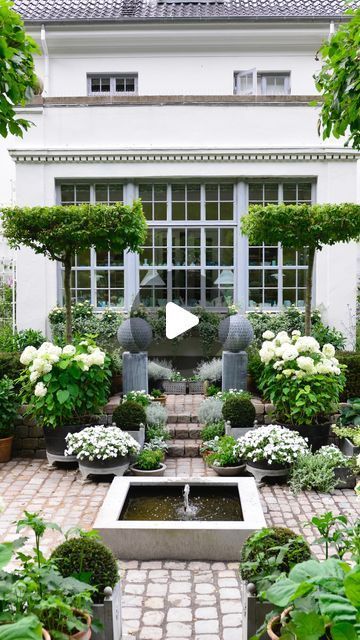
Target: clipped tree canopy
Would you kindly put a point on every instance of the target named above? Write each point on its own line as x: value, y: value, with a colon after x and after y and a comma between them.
x: 60, y: 231
x: 302, y: 225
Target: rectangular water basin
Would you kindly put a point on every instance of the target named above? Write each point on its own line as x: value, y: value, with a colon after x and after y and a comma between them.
x: 143, y: 518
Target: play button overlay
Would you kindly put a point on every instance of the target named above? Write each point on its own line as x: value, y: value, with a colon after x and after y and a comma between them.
x: 178, y: 320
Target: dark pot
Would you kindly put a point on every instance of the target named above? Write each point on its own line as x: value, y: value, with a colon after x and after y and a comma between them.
x: 317, y: 434
x: 55, y: 438
x: 264, y: 465
x: 104, y: 464
x: 345, y: 478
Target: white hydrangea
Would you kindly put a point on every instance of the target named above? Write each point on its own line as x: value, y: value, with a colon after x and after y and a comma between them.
x: 305, y: 363
x: 268, y: 335
x: 307, y: 343
x: 282, y: 337
x: 28, y: 355
x: 69, y: 350
x: 328, y: 350
x: 290, y: 352
x: 40, y: 390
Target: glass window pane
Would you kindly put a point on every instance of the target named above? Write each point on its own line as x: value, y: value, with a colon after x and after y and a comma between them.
x: 304, y: 192
x: 255, y: 297
x: 303, y: 256
x: 193, y: 237
x: 212, y: 211
x: 301, y: 277
x: 178, y: 278
x: 193, y: 257
x: 193, y: 278
x: 256, y: 193
x: 102, y: 258
x: 226, y: 237
x: 116, y: 193
x: 83, y: 193
x: 178, y: 211
x: 160, y: 211
x: 226, y: 192
x: 271, y: 256
x: 179, y: 257
x: 160, y: 192
x: 67, y: 193
x: 101, y: 193
x: 270, y: 298
x: 255, y: 256
x: 289, y: 297
x: 289, y: 193
x: 102, y: 297
x: 102, y: 279
x: 130, y: 84
x: 289, y: 278
x: 116, y: 279
x: 120, y: 84
x: 178, y: 192
x: 116, y: 259
x: 211, y: 237
x: 178, y: 237
x: 289, y: 256
x: 95, y: 85
x: 147, y: 209
x: 212, y: 257
x: 193, y: 210
x: 116, y: 298
x: 255, y: 277
x: 83, y: 258
x: 270, y: 278
x: 145, y: 192
x: 226, y: 210
x: 193, y: 192
x: 83, y: 295
x: 105, y: 84
x: 271, y: 193
x: 160, y: 256
x: 146, y: 257
x: 83, y: 279
x: 211, y: 277
x: 227, y: 257
x: 212, y: 192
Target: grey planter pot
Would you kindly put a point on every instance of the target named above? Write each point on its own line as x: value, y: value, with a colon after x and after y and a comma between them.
x: 261, y: 470
x: 174, y: 388
x: 113, y: 466
x: 138, y: 435
x: 148, y: 472
x: 254, y: 612
x: 236, y: 432
x: 195, y: 387
x: 229, y: 471
x: 345, y: 478
x: 348, y: 448
x: 109, y: 614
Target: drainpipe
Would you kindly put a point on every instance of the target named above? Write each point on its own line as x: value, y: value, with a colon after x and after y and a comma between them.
x: 46, y: 60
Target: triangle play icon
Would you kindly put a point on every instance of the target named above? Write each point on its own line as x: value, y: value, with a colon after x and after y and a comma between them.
x: 178, y: 320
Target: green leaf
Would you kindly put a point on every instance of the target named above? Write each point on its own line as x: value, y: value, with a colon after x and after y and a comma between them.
x: 285, y: 591
x: 308, y: 626
x: 343, y: 631
x: 352, y: 586
x: 62, y: 395
x: 28, y: 628
x: 6, y: 552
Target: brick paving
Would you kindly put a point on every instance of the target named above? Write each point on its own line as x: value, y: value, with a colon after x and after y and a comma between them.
x: 162, y: 600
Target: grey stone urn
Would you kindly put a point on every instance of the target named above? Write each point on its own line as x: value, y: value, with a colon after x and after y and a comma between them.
x: 134, y: 336
x: 235, y: 334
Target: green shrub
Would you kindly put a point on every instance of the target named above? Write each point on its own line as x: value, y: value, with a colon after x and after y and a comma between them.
x: 156, y: 414
x: 9, y: 405
x: 212, y: 390
x: 149, y: 459
x: 239, y: 411
x: 129, y: 415
x: 156, y: 431
x: 85, y: 322
x: 269, y: 552
x: 85, y: 556
x: 29, y: 338
x: 210, y: 431
x: 352, y: 373
x: 10, y: 365
x: 350, y: 414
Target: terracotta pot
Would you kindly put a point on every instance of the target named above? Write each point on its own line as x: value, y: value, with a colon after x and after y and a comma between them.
x: 161, y: 399
x: 274, y: 626
x: 6, y: 449
x: 79, y: 635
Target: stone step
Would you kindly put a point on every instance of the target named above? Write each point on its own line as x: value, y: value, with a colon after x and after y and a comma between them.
x: 181, y: 448
x: 182, y: 417
x: 185, y: 431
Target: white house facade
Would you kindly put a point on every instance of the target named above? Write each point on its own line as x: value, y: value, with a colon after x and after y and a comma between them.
x: 199, y: 108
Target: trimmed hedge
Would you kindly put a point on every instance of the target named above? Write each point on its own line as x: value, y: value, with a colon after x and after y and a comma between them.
x: 352, y: 360
x: 10, y: 365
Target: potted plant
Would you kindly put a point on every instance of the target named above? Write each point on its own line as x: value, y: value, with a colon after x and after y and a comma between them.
x: 130, y: 416
x: 210, y: 373
x: 158, y: 396
x: 64, y: 389
x: 195, y: 385
x: 270, y: 451
x: 225, y: 458
x: 211, y: 430
x: 176, y: 385
x: 86, y: 556
x: 102, y: 450
x: 348, y: 427
x: 141, y: 397
x: 318, y: 599
x: 325, y: 470
x: 149, y: 463
x: 266, y: 554
x: 9, y: 404
x: 239, y: 414
x: 303, y: 382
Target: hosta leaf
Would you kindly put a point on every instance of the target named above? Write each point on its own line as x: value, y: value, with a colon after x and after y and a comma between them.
x: 62, y: 395
x: 344, y: 631
x: 352, y: 586
x: 337, y: 608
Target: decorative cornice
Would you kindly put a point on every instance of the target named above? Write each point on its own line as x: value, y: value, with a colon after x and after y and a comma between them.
x: 48, y: 156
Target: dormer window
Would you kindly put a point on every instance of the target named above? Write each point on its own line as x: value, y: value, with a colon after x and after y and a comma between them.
x: 262, y: 83
x: 119, y: 84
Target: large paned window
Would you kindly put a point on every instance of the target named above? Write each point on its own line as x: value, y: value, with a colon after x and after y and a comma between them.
x: 276, y: 275
x: 97, y: 276
x: 188, y: 257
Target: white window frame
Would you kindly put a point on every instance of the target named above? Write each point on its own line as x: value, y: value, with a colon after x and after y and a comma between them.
x: 113, y: 77
x: 262, y: 76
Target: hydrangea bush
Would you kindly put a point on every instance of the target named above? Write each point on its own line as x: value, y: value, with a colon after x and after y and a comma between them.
x: 141, y: 397
x: 64, y: 385
x: 302, y: 380
x: 272, y: 444
x: 101, y: 443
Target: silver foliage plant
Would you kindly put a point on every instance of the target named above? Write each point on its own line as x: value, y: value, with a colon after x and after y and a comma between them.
x: 160, y: 370
x: 156, y: 414
x: 210, y: 370
x: 210, y: 410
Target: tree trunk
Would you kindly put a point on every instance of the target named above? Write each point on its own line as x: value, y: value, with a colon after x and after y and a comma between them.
x: 67, y: 289
x: 308, y: 292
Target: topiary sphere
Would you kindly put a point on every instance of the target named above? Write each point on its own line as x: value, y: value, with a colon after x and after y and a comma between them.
x: 240, y: 412
x: 259, y: 548
x: 86, y: 555
x: 129, y: 415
